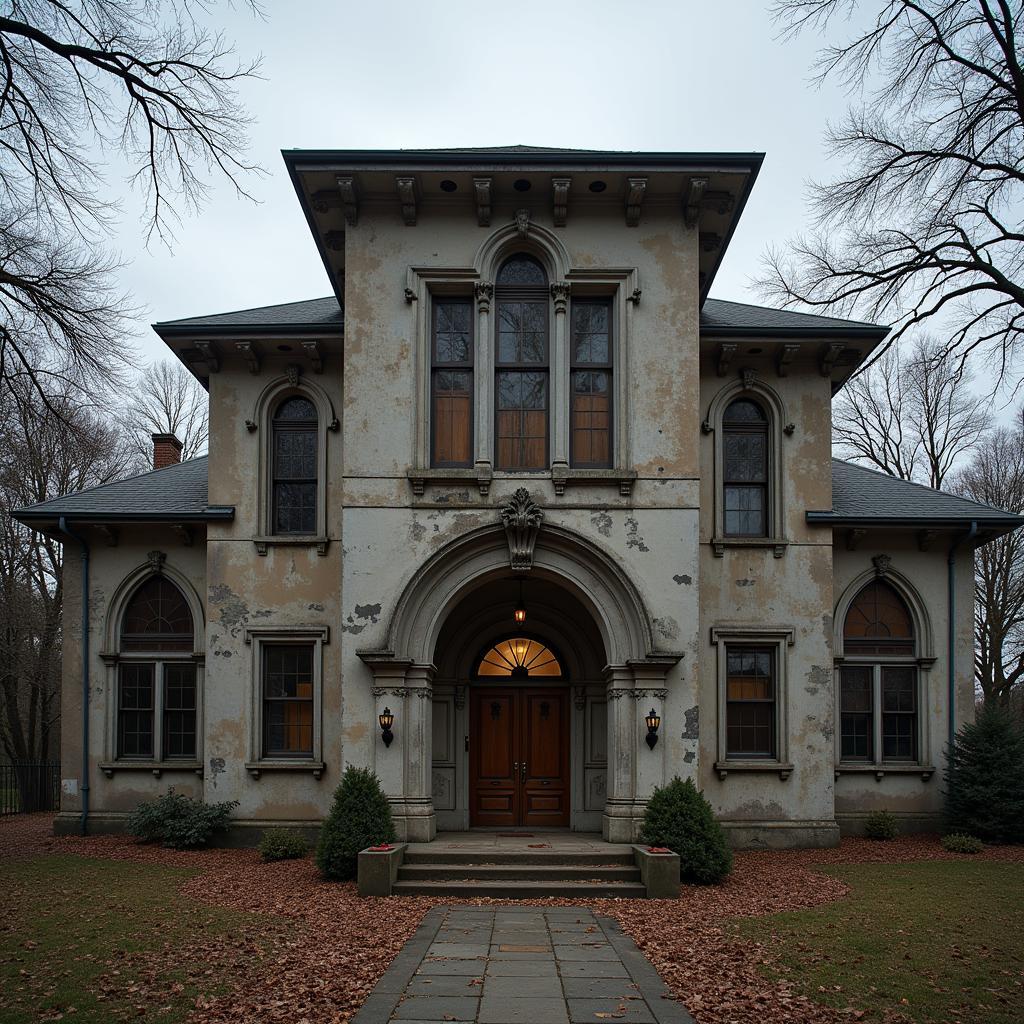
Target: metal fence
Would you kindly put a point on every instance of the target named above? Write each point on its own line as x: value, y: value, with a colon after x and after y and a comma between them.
x: 27, y: 786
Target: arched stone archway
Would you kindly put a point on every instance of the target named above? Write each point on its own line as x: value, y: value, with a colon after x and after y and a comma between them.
x: 631, y: 679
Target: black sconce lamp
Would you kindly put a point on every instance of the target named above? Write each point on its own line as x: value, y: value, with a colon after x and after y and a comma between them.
x: 653, y: 721
x: 386, y: 719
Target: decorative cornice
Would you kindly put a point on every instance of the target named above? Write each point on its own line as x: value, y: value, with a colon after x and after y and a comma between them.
x: 829, y: 357
x: 634, y: 197
x: 787, y: 353
x: 407, y: 190
x: 313, y: 353
x: 482, y: 191
x: 726, y: 350
x: 250, y: 352
x: 694, y: 198
x: 560, y: 198
x: 522, y: 519
x: 349, y: 199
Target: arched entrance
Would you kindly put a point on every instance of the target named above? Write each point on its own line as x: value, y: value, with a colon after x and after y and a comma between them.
x: 577, y: 731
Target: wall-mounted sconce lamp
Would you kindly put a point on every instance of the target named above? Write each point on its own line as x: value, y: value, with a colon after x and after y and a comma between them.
x: 520, y: 613
x: 386, y: 719
x: 653, y: 721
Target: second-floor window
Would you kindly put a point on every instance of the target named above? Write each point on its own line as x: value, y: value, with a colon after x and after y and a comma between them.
x: 451, y: 383
x: 591, y: 384
x: 745, y: 469
x: 521, y: 363
x: 294, y: 467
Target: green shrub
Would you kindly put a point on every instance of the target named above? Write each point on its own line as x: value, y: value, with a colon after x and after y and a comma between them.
x: 881, y: 825
x: 178, y: 821
x: 679, y: 818
x: 283, y: 844
x: 360, y: 817
x: 960, y: 842
x: 985, y: 778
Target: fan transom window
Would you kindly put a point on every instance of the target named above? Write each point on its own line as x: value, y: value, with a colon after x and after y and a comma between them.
x: 519, y: 658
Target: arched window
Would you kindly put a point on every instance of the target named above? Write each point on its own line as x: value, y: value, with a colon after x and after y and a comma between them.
x: 745, y: 469
x: 521, y: 379
x: 294, y: 475
x: 156, y: 692
x: 519, y: 658
x: 878, y: 680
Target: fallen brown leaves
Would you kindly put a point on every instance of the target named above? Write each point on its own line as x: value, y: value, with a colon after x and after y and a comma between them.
x: 320, y: 969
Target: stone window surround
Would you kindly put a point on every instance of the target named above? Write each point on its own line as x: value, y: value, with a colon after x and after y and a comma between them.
x: 781, y: 638
x: 257, y: 637
x: 261, y: 421
x: 621, y: 285
x: 751, y: 386
x: 923, y: 658
x: 112, y: 657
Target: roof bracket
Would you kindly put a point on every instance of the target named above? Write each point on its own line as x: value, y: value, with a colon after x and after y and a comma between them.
x: 109, y: 534
x: 482, y: 191
x: 725, y: 353
x: 560, y: 197
x: 407, y: 194
x: 786, y: 355
x: 694, y: 197
x: 349, y: 198
x: 925, y: 539
x: 185, y: 533
x: 854, y: 537
x: 634, y: 198
x: 721, y: 202
x: 316, y: 359
x: 250, y: 353
x: 209, y: 351
x: 829, y: 357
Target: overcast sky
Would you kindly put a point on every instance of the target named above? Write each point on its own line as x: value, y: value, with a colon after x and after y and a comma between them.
x: 594, y: 75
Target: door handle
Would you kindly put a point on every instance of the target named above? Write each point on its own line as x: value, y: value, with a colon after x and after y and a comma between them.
x: 515, y: 769
x: 522, y: 772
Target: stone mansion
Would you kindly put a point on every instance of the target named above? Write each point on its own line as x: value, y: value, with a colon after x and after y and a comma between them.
x: 524, y: 521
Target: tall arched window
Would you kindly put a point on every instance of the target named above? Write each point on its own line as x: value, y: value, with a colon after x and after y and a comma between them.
x: 745, y: 469
x: 156, y: 692
x: 294, y: 482
x: 521, y: 379
x: 878, y: 679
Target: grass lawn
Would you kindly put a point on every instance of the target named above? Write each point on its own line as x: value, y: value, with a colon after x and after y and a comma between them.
x: 112, y: 939
x: 936, y: 941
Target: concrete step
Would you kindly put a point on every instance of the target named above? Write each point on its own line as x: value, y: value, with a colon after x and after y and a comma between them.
x: 504, y: 857
x: 520, y: 890
x: 520, y: 872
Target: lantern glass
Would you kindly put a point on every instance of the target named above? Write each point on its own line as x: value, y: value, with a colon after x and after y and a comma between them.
x: 520, y: 616
x: 386, y: 719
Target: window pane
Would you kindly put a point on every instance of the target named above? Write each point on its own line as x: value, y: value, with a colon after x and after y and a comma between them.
x: 288, y: 700
x: 750, y: 702
x: 898, y: 685
x: 522, y: 332
x: 857, y: 712
x: 295, y: 507
x: 179, y: 711
x: 157, y: 618
x: 744, y: 411
x: 591, y: 418
x: 745, y: 510
x: 295, y: 455
x: 452, y: 332
x: 296, y: 409
x: 899, y: 737
x: 522, y: 420
x: 453, y: 417
x: 591, y: 332
x: 136, y: 691
x: 746, y: 458
x: 522, y: 271
x: 878, y: 622
x: 899, y: 713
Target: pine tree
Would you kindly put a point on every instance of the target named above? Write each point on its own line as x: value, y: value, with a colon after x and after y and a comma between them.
x: 360, y: 817
x: 985, y: 779
x: 679, y: 818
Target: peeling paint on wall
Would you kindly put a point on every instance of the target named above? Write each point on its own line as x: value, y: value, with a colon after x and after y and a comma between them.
x: 683, y: 580
x: 602, y: 522
x: 745, y: 583
x: 817, y: 677
x: 633, y: 537
x: 691, y: 730
x: 667, y: 627
x: 216, y: 767
x: 363, y: 615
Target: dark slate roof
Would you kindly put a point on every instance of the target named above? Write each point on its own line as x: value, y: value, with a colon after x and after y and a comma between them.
x: 866, y: 497
x: 310, y: 315
x: 174, y: 493
x: 719, y: 317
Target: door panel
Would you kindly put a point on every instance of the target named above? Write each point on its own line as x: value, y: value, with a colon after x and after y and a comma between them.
x: 519, y: 757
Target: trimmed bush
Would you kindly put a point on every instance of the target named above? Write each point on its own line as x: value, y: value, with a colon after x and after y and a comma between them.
x: 985, y: 778
x: 360, y: 817
x: 959, y: 842
x: 881, y: 825
x: 283, y: 844
x: 679, y: 818
x: 178, y: 821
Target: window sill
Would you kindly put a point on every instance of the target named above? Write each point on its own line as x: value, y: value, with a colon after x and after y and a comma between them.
x: 320, y: 543
x: 419, y: 478
x: 563, y: 477
x: 926, y: 771
x: 256, y: 768
x: 560, y: 476
x: 156, y: 767
x: 725, y: 767
x: 777, y: 544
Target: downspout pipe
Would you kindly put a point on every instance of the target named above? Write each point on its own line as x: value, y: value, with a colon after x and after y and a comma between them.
x: 84, y: 784
x: 964, y: 538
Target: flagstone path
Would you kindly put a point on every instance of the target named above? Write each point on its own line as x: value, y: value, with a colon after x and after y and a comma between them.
x: 520, y: 965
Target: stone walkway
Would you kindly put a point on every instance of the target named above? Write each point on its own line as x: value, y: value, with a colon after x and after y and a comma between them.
x: 520, y: 965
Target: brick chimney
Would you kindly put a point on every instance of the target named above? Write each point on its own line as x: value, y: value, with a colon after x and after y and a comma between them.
x: 166, y: 450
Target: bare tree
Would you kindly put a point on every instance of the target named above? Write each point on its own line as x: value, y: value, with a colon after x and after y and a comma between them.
x: 911, y: 416
x: 46, y: 449
x: 138, y: 78
x: 166, y: 399
x: 996, y: 476
x: 923, y: 224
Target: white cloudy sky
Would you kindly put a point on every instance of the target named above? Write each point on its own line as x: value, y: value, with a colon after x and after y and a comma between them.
x: 597, y: 74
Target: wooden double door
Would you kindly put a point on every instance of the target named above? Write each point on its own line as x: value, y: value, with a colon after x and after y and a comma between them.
x: 519, y: 756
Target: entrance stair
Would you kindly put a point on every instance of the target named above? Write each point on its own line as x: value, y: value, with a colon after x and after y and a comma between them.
x: 532, y: 867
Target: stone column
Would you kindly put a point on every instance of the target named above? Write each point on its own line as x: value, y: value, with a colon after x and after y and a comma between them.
x: 483, y: 384
x: 617, y: 824
x: 417, y: 753
x: 559, y: 379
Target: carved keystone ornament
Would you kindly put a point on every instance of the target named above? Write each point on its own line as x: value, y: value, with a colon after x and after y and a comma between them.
x: 522, y: 518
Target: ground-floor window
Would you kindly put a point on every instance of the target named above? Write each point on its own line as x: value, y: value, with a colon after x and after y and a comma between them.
x: 156, y: 711
x: 878, y: 713
x: 750, y: 701
x: 287, y: 700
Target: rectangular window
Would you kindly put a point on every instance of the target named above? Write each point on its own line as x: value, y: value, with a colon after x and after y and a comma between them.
x: 294, y: 480
x: 451, y: 384
x: 591, y: 384
x: 750, y: 702
x: 288, y: 700
x: 179, y: 711
x: 856, y: 704
x: 521, y: 385
x: 136, y: 702
x: 899, y: 712
x: 746, y: 482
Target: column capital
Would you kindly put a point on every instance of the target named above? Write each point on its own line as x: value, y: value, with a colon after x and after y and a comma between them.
x: 560, y: 291
x: 484, y: 292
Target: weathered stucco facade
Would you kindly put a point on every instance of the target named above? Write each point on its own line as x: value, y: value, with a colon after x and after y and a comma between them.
x: 409, y: 570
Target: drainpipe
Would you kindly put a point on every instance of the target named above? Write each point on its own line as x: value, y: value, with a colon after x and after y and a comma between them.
x: 951, y: 652
x: 84, y: 784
